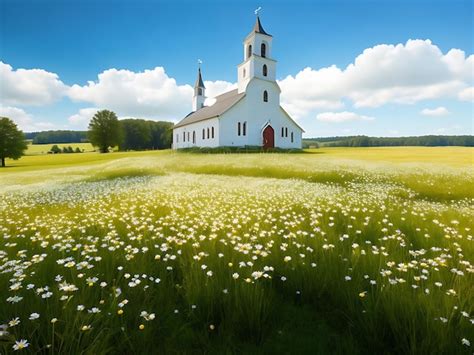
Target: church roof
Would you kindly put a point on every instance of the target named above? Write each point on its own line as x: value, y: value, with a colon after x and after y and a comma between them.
x: 258, y: 28
x: 199, y: 83
x: 223, y: 103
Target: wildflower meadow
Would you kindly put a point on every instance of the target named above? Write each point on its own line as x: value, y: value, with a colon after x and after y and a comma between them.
x: 317, y: 252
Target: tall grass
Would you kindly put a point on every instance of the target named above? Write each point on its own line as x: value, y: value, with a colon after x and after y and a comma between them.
x: 238, y: 256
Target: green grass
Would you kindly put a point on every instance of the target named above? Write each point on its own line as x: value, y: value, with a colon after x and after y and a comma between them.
x: 397, y: 221
x: 37, y: 149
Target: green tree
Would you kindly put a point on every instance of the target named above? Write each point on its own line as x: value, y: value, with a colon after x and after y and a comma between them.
x: 104, y: 130
x: 55, y: 149
x: 12, y: 140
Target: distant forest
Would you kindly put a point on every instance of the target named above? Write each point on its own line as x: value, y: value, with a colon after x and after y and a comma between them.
x: 47, y: 137
x: 365, y: 141
x: 137, y: 134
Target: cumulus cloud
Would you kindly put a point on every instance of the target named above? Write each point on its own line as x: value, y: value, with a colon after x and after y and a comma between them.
x: 467, y: 94
x: 151, y: 93
x: 82, y: 118
x: 29, y: 86
x: 215, y: 88
x: 403, y: 74
x: 23, y: 119
x: 343, y: 116
x: 435, y: 112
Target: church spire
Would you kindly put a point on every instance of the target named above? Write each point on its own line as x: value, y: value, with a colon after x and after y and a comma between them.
x: 258, y: 28
x: 199, y: 91
x: 199, y: 83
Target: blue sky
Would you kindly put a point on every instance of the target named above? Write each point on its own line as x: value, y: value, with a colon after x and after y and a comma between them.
x: 72, y: 42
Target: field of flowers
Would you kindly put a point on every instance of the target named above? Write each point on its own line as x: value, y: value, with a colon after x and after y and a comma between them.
x: 265, y: 253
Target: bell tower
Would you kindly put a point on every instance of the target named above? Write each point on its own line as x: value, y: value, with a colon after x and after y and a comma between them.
x: 199, y: 92
x: 258, y: 61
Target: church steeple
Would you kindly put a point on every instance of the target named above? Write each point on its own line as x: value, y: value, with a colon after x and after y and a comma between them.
x: 199, y: 92
x: 258, y: 62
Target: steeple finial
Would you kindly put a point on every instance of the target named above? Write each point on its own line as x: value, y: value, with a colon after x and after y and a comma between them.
x: 258, y: 28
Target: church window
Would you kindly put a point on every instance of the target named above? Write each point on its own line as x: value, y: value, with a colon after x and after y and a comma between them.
x: 194, y: 137
x: 244, y: 73
x: 265, y: 70
x: 203, y: 133
x: 184, y: 136
x: 199, y: 91
x: 207, y: 132
x: 238, y: 128
x: 282, y: 131
x: 249, y: 51
x: 291, y: 137
x: 244, y: 129
x: 265, y: 96
x: 188, y: 136
x: 286, y: 131
x: 212, y: 131
x: 263, y: 50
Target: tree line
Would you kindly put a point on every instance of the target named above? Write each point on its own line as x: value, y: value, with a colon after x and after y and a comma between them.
x: 365, y: 141
x: 106, y: 131
x: 54, y: 137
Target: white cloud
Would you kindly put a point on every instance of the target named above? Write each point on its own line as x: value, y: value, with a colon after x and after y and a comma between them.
x: 24, y: 120
x: 29, y: 86
x: 215, y: 88
x: 150, y: 94
x: 344, y: 116
x: 82, y: 118
x: 467, y: 94
x: 402, y: 74
x: 435, y: 112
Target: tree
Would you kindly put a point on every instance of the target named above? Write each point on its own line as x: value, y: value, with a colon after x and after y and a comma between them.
x: 55, y: 149
x: 104, y: 130
x: 12, y: 140
x: 136, y: 134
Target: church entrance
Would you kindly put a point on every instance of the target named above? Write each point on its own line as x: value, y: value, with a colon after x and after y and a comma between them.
x: 268, y: 137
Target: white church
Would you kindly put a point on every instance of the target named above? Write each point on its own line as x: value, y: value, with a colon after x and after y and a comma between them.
x: 250, y: 115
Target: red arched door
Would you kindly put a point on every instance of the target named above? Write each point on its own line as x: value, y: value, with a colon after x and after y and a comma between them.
x: 268, y: 137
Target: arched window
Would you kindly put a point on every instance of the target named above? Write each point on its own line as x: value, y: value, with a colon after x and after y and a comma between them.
x: 282, y: 131
x: 244, y: 129
x: 286, y: 131
x: 199, y: 91
x: 291, y: 137
x: 244, y: 73
x: 203, y: 133
x: 238, y: 128
x: 212, y: 131
x: 265, y: 70
x: 207, y: 132
x: 265, y: 96
x: 249, y: 51
x: 194, y: 137
x: 263, y: 50
x: 184, y: 136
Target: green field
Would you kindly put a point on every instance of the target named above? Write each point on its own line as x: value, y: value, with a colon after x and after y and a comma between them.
x: 333, y: 250
x: 36, y: 149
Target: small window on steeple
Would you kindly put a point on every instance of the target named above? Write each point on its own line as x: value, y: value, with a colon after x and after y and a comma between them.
x: 199, y: 91
x: 265, y: 96
x: 263, y: 50
x: 249, y: 51
x: 265, y: 70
